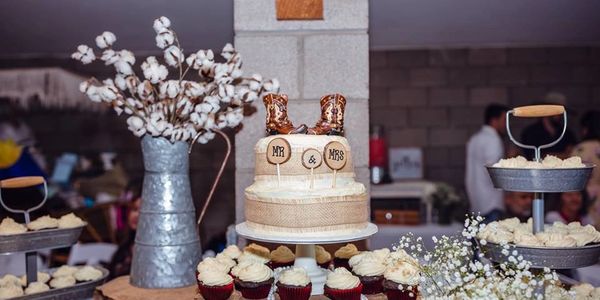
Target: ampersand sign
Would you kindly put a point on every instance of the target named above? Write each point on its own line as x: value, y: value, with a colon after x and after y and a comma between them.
x: 311, y: 158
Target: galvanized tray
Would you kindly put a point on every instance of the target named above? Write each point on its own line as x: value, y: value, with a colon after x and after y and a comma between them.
x: 553, y: 258
x: 540, y: 180
x: 81, y: 290
x: 41, y: 239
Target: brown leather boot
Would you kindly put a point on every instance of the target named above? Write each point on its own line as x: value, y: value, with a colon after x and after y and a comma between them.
x: 277, y: 117
x: 332, y: 116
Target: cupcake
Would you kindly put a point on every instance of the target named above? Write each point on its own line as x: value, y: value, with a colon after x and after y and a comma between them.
x: 363, y: 256
x: 282, y: 257
x: 232, y: 251
x: 255, y: 253
x: 235, y: 271
x: 370, y: 272
x: 294, y: 284
x: 215, y: 285
x: 342, y: 255
x: 254, y: 281
x: 342, y: 285
x: 212, y: 264
x: 226, y: 260
x: 323, y: 257
x: 401, y: 281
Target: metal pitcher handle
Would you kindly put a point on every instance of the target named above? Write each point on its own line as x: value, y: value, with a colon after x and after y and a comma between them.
x: 219, y: 174
x: 23, y: 182
x: 536, y: 111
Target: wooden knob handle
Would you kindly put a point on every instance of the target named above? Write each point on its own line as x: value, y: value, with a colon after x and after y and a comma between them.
x: 21, y: 182
x: 533, y: 111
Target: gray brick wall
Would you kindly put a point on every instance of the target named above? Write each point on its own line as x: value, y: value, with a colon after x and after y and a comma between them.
x: 434, y: 99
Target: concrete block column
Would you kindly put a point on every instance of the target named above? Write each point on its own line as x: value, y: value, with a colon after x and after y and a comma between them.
x: 310, y: 59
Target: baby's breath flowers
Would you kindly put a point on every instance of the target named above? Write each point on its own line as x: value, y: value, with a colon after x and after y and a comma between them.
x: 457, y: 269
x: 173, y: 107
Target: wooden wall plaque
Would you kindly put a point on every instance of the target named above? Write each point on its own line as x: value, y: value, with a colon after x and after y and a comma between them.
x: 299, y: 9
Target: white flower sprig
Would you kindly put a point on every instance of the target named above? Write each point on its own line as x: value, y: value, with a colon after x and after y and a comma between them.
x: 171, y: 106
x: 456, y: 268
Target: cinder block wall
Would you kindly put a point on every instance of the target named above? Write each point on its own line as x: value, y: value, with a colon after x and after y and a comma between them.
x: 311, y: 59
x: 434, y: 99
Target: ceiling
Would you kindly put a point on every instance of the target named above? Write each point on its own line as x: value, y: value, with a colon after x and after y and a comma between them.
x: 37, y: 28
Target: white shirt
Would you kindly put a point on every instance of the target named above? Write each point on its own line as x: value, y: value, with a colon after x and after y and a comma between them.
x: 483, y: 148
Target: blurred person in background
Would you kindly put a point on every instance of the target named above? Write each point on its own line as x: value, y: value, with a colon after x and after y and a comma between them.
x: 547, y: 130
x: 589, y: 151
x: 483, y: 148
x: 572, y: 207
x: 518, y: 205
x: 121, y: 261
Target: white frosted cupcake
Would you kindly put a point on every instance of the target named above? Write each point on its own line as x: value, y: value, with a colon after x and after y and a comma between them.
x: 294, y: 284
x: 402, y: 281
x: 254, y: 281
x: 342, y: 285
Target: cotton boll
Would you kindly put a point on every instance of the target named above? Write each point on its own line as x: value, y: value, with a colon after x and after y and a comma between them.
x: 106, y: 39
x: 136, y: 125
x: 170, y: 88
x: 228, y: 51
x: 127, y: 56
x: 123, y: 67
x: 121, y: 82
x: 154, y: 71
x: 194, y: 89
x: 161, y: 24
x: 93, y: 93
x: 144, y: 89
x: 84, y: 85
x: 84, y: 54
x: 165, y: 38
x: 173, y: 55
x: 108, y: 92
x: 109, y: 57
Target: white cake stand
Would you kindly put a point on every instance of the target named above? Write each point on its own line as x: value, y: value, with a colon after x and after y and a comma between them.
x: 305, y: 248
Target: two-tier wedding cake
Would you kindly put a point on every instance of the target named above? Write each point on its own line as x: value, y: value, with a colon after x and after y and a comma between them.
x: 312, y: 190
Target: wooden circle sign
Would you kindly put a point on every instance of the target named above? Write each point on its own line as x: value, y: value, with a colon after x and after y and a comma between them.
x: 311, y: 158
x: 279, y: 151
x: 335, y: 155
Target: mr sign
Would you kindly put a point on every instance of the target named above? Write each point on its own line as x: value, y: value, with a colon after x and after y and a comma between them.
x: 278, y: 151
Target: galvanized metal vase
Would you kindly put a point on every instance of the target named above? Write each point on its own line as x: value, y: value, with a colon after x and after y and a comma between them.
x: 167, y: 245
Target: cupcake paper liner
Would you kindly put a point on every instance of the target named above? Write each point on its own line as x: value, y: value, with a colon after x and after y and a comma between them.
x: 215, y: 292
x: 349, y: 294
x: 258, y: 292
x: 405, y: 294
x: 294, y: 292
x: 372, y: 286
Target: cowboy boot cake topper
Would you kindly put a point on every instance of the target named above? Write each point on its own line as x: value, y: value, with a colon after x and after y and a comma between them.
x: 332, y: 116
x: 331, y: 121
x: 277, y: 117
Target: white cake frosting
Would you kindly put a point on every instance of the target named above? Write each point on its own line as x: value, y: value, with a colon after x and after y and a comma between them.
x: 283, y: 201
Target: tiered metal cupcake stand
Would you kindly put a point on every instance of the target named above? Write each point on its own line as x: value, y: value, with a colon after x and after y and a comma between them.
x: 540, y: 181
x: 305, y: 248
x: 33, y: 241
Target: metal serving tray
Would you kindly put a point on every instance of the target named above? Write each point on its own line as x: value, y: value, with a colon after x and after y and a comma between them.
x: 540, y: 180
x: 41, y: 239
x: 81, y: 290
x: 553, y: 258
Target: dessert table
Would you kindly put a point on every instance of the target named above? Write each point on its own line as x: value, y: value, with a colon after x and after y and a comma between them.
x: 120, y: 289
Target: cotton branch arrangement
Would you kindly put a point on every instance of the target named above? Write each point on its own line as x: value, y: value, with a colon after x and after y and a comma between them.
x: 164, y: 104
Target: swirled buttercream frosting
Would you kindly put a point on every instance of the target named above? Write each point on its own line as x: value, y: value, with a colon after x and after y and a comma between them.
x: 295, y: 277
x: 342, y: 279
